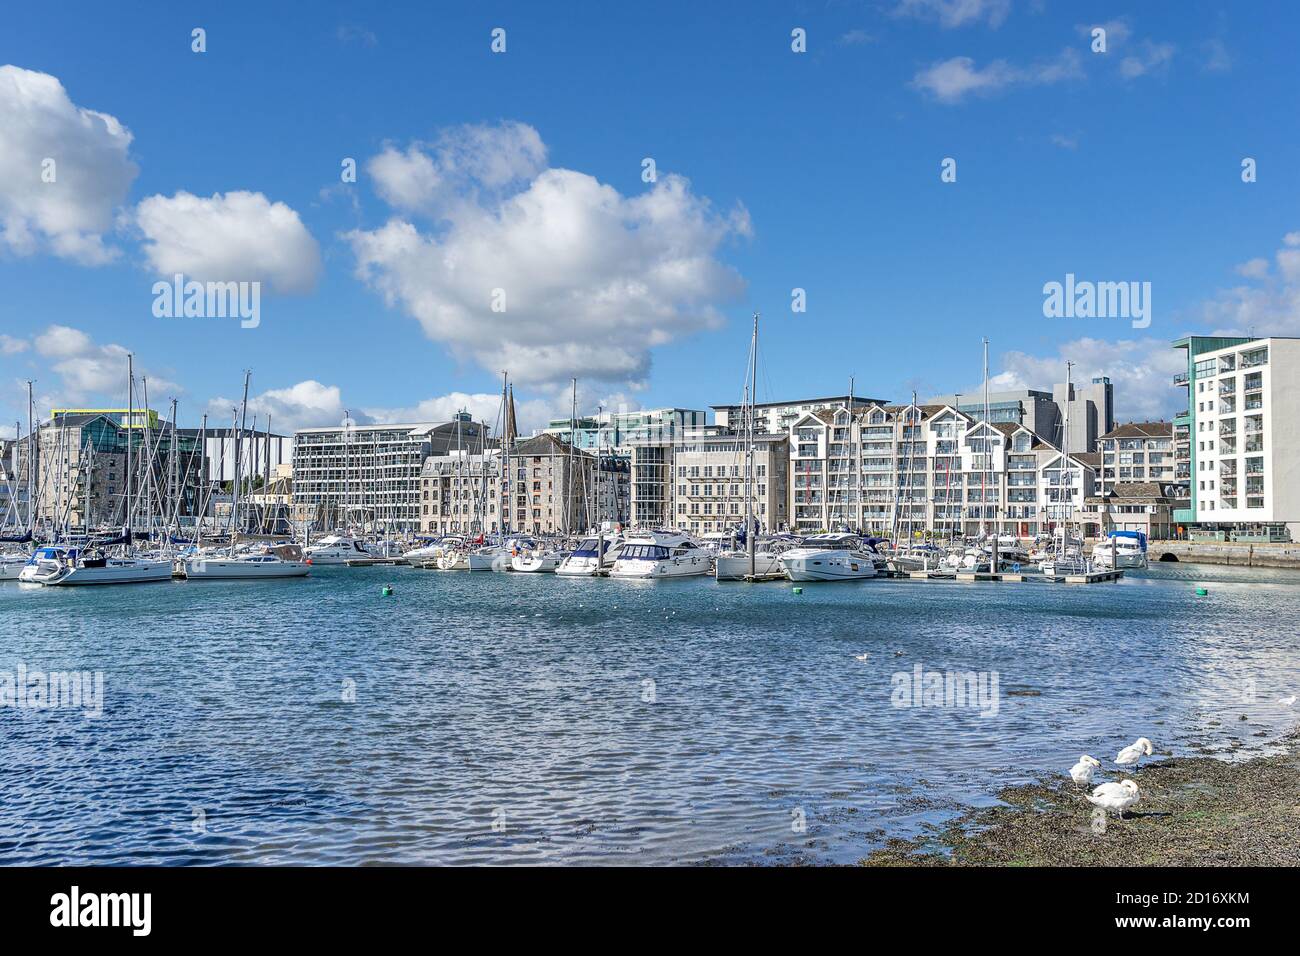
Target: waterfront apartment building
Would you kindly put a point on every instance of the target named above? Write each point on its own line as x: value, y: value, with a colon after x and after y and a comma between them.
x: 554, y: 490
x: 370, y: 475
x: 1240, y: 436
x: 80, y: 470
x: 709, y: 488
x: 1137, y: 452
x: 895, y: 471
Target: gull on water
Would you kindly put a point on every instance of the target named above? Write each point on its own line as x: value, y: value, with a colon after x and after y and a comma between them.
x: 1115, y: 796
x: 861, y: 657
x: 1130, y: 755
x: 1081, y: 772
x: 1286, y: 701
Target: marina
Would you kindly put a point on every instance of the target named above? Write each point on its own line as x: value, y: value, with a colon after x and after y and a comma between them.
x: 609, y: 720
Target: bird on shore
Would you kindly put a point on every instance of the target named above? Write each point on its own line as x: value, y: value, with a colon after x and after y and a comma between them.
x: 1115, y: 796
x: 1286, y: 701
x: 1134, y: 752
x: 1081, y: 772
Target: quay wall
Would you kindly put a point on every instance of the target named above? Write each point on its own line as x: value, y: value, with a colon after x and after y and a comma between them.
x: 1221, y: 552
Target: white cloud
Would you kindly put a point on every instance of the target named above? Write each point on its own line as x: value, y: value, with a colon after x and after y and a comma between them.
x: 855, y: 38
x: 1117, y: 32
x: 1253, y: 269
x: 955, y: 13
x: 950, y: 81
x: 464, y: 159
x: 1065, y: 142
x: 592, y: 279
x: 12, y: 346
x: 236, y: 237
x: 89, y: 370
x: 308, y: 404
x: 1151, y: 58
x: 92, y: 171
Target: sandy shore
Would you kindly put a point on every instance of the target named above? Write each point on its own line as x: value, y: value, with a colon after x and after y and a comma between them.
x: 1194, y: 811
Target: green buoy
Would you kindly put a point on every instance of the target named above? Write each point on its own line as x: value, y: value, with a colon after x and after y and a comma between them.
x: 798, y: 590
x: 387, y: 591
x: 1201, y: 592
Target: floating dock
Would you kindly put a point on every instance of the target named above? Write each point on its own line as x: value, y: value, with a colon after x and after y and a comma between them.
x: 375, y: 562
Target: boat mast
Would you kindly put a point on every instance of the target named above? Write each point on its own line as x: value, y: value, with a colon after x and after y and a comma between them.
x: 1065, y: 465
x: 988, y: 445
x: 749, y: 454
x: 506, y: 496
x: 31, y: 465
x: 130, y: 416
x: 239, y: 437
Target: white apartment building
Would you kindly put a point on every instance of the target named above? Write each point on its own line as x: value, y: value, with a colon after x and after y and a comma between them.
x: 369, y: 475
x: 1243, y: 418
x: 709, y: 488
x: 892, y: 470
x: 777, y: 417
x: 1137, y: 452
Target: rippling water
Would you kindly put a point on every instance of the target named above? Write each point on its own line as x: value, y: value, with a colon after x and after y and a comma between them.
x: 507, y: 718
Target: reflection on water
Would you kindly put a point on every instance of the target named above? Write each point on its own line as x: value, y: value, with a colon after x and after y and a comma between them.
x: 527, y: 718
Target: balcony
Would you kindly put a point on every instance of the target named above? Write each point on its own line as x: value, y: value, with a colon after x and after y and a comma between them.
x: 1180, y: 378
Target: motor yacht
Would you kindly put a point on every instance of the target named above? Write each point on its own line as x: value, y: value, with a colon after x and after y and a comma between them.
x: 1123, y: 549
x: 661, y: 554
x: 339, y: 549
x: 830, y: 557
x: 592, y: 556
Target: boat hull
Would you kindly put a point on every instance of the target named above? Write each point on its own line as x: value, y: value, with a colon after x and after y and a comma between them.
x: 735, y: 567
x: 544, y: 564
x: 135, y: 572
x: 220, y: 569
x: 683, y: 567
x: 828, y: 566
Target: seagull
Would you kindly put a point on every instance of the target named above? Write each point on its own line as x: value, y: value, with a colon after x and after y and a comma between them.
x: 1115, y: 796
x: 1286, y: 701
x: 861, y: 657
x: 1081, y: 772
x: 1130, y: 755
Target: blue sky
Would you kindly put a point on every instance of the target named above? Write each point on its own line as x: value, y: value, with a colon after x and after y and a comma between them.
x: 816, y: 170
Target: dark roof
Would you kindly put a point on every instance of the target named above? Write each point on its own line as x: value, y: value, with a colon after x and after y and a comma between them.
x: 544, y: 444
x: 1142, y: 430
x: 1141, y: 490
x: 1090, y: 458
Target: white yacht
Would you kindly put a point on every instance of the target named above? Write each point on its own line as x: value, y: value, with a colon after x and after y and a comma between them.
x: 733, y: 565
x: 660, y: 554
x: 585, y: 559
x: 281, y: 561
x: 830, y: 557
x: 1123, y: 549
x: 427, y: 555
x: 69, y: 566
x: 916, y: 557
x: 1067, y: 561
x: 339, y: 549
x: 12, y: 564
x: 536, y: 560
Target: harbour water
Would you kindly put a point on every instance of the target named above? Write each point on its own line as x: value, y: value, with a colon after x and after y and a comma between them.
x: 511, y: 718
